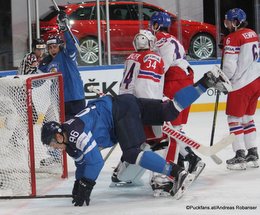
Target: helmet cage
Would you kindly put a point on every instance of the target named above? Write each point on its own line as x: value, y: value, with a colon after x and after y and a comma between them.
x: 144, y: 40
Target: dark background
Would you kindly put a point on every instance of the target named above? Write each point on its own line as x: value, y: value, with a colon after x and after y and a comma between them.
x: 225, y: 5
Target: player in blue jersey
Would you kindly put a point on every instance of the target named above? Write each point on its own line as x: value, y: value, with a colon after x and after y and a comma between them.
x: 62, y: 58
x: 108, y: 120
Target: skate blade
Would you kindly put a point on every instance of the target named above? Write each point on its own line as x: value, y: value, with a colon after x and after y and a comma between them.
x: 200, y: 167
x: 186, y: 183
x: 252, y: 164
x: 126, y: 184
x: 238, y: 166
x: 160, y: 193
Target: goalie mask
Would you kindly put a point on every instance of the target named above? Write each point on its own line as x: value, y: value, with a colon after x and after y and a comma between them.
x: 144, y: 40
x: 49, y: 129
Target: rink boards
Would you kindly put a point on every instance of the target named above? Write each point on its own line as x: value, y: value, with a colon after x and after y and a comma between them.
x: 107, y: 80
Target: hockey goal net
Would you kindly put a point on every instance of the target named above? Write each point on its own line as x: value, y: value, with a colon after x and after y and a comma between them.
x: 26, y: 102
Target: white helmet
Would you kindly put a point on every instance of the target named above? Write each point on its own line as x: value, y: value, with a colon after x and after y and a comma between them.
x: 144, y: 40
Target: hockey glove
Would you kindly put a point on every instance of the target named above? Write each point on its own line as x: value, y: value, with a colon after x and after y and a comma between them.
x: 63, y: 21
x: 84, y: 190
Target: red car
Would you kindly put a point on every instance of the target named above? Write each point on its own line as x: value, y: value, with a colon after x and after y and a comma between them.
x: 126, y: 18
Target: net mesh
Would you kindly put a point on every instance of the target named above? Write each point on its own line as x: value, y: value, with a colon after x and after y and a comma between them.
x: 15, y: 132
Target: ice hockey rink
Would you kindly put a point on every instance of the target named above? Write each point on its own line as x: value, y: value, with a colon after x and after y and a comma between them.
x: 216, y: 191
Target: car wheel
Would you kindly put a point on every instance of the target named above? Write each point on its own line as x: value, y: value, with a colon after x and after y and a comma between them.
x: 202, y: 46
x: 89, y: 51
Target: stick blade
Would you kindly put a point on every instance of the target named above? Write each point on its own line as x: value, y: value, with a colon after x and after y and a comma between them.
x: 223, y: 143
x: 216, y: 159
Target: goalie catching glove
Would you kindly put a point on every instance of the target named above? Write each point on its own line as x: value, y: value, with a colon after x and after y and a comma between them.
x: 63, y: 21
x: 81, y: 191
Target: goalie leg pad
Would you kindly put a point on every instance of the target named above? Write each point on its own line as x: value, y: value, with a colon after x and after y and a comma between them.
x: 129, y: 174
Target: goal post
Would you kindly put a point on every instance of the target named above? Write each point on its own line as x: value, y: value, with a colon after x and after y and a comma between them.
x: 26, y: 103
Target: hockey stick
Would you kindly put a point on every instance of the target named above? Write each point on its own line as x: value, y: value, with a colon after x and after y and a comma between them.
x: 69, y: 30
x: 110, y: 152
x: 205, y: 150
x: 38, y: 197
x: 215, y: 158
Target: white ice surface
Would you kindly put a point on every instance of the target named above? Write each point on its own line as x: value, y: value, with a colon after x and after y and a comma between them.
x: 216, y: 186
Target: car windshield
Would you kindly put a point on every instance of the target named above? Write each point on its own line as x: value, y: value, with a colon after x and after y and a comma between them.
x: 84, y: 13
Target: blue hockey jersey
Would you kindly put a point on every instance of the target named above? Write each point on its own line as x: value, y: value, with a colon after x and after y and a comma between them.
x: 65, y: 62
x: 89, y: 131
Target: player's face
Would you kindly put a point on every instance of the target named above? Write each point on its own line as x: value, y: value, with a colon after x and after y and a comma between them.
x: 229, y: 25
x: 58, y: 142
x: 53, y: 49
x: 39, y: 52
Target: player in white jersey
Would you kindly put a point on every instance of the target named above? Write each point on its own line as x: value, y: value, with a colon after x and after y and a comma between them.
x: 240, y: 56
x: 144, y: 78
x: 179, y: 74
x: 144, y: 69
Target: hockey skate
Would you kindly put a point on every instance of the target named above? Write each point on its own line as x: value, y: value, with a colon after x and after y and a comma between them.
x: 162, y: 186
x: 252, y: 158
x: 184, y: 180
x: 217, y: 79
x: 196, y: 166
x: 238, y: 162
x: 115, y: 182
x: 128, y: 180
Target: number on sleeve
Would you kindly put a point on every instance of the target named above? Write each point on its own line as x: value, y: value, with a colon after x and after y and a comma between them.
x: 177, y: 49
x: 129, y: 76
x: 255, y: 53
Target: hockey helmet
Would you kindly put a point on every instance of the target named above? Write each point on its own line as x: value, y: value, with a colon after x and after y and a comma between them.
x: 54, y: 39
x: 49, y: 129
x: 38, y: 44
x: 236, y: 14
x: 144, y: 40
x: 163, y: 19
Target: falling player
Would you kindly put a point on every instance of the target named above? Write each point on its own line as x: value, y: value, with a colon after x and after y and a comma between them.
x: 108, y: 120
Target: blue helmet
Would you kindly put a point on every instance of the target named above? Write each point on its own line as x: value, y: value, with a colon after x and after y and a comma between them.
x: 54, y: 39
x: 236, y: 14
x: 162, y: 18
x: 49, y: 129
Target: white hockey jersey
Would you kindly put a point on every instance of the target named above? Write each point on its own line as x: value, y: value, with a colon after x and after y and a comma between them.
x: 143, y: 75
x: 171, y: 50
x: 240, y: 55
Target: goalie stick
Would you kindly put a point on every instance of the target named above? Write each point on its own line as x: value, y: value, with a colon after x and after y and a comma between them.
x: 69, y: 30
x: 205, y: 150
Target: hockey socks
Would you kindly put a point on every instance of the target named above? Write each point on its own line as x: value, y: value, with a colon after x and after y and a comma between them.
x: 186, y: 96
x: 154, y: 162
